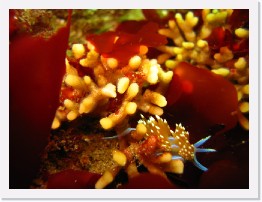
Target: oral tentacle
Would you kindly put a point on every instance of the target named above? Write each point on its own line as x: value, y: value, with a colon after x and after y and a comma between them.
x: 199, y: 165
x: 202, y: 141
x: 204, y: 150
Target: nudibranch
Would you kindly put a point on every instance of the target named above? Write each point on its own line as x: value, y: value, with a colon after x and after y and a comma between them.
x: 176, y: 142
x: 155, y: 146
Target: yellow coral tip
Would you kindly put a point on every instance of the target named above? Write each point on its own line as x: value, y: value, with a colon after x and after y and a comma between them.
x: 242, y: 33
x: 119, y: 157
x: 78, y: 50
x: 112, y: 63
x: 106, y: 123
x: 131, y: 108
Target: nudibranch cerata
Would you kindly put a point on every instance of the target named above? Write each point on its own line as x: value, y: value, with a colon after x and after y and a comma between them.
x: 176, y: 141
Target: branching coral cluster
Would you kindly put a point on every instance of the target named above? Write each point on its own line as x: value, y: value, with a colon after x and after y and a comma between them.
x: 191, y: 43
x: 102, y: 86
x: 210, y: 47
x: 109, y: 81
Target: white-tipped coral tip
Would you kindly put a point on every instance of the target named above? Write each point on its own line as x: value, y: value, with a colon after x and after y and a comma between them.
x: 109, y: 90
x: 78, y: 50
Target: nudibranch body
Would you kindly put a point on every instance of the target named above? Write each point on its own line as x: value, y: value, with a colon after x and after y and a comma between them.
x: 176, y: 142
x: 154, y: 145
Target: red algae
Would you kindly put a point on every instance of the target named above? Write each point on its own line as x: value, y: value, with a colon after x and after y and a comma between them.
x: 12, y: 22
x: 221, y: 37
x: 72, y: 179
x: 36, y: 70
x: 203, y: 100
x: 148, y: 181
x: 104, y: 43
x: 239, y: 18
x: 225, y: 36
x: 224, y: 174
x: 126, y: 40
x: 131, y: 26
